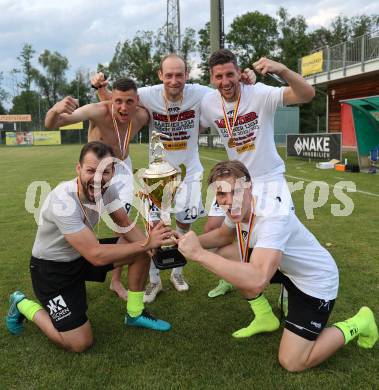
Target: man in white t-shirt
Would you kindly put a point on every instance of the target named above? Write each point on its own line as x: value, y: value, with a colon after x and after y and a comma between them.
x: 66, y: 253
x: 293, y: 257
x: 243, y: 115
x: 114, y: 122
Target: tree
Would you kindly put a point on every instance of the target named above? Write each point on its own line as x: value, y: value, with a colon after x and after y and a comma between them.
x: 80, y: 87
x: 29, y: 102
x: 53, y: 82
x: 188, y: 44
x: 204, y: 47
x: 319, y: 38
x: 25, y: 58
x: 340, y: 30
x: 137, y: 59
x: 293, y: 41
x: 3, y: 95
x: 363, y: 24
x: 253, y: 35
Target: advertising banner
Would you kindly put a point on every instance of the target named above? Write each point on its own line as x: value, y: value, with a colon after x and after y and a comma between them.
x: 47, y: 138
x: 325, y: 146
x: 16, y: 118
x: 73, y: 126
x: 18, y: 138
x: 312, y: 64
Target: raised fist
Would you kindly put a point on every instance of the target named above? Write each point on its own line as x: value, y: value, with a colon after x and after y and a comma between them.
x: 99, y: 80
x: 67, y: 106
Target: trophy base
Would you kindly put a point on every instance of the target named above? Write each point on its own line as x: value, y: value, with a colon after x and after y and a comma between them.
x: 170, y: 257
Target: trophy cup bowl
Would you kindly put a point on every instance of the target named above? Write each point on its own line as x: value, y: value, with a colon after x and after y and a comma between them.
x: 161, y: 181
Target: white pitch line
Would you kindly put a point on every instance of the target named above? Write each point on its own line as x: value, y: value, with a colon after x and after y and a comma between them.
x: 361, y: 192
x: 210, y: 159
x: 302, y: 178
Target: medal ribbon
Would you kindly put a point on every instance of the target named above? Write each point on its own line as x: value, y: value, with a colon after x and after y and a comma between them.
x: 228, y: 126
x: 127, y: 135
x: 244, y: 249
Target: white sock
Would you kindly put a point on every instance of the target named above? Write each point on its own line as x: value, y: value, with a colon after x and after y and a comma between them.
x: 177, y: 271
x: 154, y: 274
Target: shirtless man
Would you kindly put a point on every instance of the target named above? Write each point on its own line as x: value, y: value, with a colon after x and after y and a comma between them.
x: 114, y: 122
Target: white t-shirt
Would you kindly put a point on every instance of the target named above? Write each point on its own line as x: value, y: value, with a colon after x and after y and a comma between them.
x: 61, y: 214
x: 308, y: 264
x: 254, y: 127
x: 182, y: 124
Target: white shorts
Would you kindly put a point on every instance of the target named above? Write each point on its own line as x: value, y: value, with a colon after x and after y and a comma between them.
x: 123, y: 181
x: 188, y: 205
x: 266, y: 193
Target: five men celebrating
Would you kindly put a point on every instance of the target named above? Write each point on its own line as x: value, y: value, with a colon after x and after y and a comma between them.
x: 252, y: 198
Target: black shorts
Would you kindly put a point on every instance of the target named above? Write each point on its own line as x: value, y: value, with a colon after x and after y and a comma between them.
x: 61, y: 289
x: 307, y: 315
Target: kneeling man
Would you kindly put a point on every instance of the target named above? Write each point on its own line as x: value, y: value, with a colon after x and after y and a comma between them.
x: 66, y: 254
x: 297, y: 260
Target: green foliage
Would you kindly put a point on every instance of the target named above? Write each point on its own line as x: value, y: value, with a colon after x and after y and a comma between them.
x: 293, y: 40
x: 28, y: 71
x: 136, y: 58
x: 188, y: 45
x: 80, y: 87
x: 31, y: 102
x: 252, y: 36
x: 204, y: 47
x: 3, y: 95
x: 52, y: 82
x: 319, y: 38
x: 313, y: 115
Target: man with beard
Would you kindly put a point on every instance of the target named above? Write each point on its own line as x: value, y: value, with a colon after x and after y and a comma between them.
x: 292, y: 256
x: 114, y: 122
x: 243, y: 115
x: 66, y: 253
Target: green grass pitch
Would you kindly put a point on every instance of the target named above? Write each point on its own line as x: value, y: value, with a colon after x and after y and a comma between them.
x: 199, y: 352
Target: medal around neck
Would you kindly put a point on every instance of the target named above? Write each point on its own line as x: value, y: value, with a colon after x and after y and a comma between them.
x: 161, y: 182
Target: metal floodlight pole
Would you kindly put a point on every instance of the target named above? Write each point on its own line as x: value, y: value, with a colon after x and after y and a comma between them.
x: 217, y: 25
x: 178, y: 20
x: 173, y: 38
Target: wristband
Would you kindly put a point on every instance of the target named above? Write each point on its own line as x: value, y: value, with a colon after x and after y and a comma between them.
x: 94, y: 86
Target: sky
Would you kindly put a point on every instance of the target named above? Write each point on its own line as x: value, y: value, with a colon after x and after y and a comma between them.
x: 87, y: 31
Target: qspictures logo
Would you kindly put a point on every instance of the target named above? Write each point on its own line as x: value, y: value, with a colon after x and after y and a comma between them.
x: 58, y: 308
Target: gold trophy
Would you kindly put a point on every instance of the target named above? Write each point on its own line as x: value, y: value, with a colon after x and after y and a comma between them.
x: 161, y: 181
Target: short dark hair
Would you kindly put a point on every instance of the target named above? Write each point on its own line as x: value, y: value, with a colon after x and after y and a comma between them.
x: 172, y: 55
x: 98, y: 148
x: 232, y: 168
x: 124, y: 84
x: 221, y: 57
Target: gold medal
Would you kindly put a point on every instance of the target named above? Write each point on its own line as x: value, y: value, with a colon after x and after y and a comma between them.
x: 230, y: 126
x: 231, y: 142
